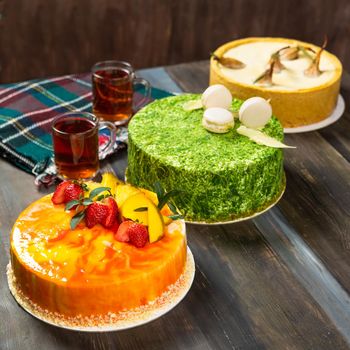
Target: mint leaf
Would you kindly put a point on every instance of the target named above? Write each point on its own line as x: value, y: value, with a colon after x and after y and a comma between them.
x: 141, y: 209
x: 72, y: 204
x: 97, y: 191
x: 176, y: 216
x: 166, y: 197
x: 87, y: 201
x: 76, y: 219
x: 172, y: 208
x: 159, y: 190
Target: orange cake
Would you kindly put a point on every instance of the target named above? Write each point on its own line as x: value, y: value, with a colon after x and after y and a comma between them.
x: 85, y: 271
x: 301, y: 80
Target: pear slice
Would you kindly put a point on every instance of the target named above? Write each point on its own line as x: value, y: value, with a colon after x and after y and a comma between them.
x: 192, y: 105
x: 260, y: 138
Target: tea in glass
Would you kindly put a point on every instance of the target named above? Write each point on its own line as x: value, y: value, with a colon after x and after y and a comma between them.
x: 113, y: 91
x: 75, y: 143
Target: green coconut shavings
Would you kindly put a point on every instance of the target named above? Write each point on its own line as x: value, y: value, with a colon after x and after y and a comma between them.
x: 221, y: 176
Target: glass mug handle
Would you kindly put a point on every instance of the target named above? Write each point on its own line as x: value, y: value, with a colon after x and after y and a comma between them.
x: 147, y: 93
x: 103, y: 152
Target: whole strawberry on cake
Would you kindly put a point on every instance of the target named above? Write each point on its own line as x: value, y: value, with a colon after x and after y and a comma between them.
x: 90, y: 252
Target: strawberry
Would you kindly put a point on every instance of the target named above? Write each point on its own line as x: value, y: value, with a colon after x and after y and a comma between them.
x: 122, y: 234
x: 114, y: 228
x: 112, y: 206
x: 95, y: 214
x: 72, y: 191
x: 58, y: 195
x: 138, y: 235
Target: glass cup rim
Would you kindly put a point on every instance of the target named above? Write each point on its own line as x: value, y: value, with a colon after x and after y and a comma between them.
x: 122, y: 65
x: 86, y: 115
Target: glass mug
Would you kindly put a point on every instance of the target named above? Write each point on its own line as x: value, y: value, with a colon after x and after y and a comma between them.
x: 113, y: 91
x: 76, y: 146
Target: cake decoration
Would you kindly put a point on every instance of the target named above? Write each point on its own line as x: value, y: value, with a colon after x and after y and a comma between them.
x: 217, y: 96
x: 260, y: 138
x: 289, y: 53
x: 214, y: 96
x: 314, y: 69
x: 218, y: 120
x: 266, y: 77
x: 228, y: 62
x: 255, y: 112
x: 277, y: 64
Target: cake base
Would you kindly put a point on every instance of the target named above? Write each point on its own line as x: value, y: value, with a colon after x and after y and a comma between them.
x: 336, y: 114
x: 243, y: 218
x: 112, y: 321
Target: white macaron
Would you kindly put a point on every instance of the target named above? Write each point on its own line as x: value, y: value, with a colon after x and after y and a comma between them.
x: 218, y: 120
x: 217, y: 96
x: 255, y: 112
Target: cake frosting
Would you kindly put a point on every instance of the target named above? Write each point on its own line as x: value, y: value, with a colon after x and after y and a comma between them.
x: 221, y: 177
x: 296, y: 99
x: 85, y: 271
x: 291, y: 78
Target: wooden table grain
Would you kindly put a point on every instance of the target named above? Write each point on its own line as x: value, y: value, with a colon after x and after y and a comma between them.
x: 279, y: 281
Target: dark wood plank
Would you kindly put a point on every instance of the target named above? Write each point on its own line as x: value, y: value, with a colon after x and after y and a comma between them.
x: 41, y: 38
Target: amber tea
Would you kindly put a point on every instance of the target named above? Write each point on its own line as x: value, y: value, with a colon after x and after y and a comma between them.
x: 113, y: 94
x: 75, y: 143
x: 113, y: 91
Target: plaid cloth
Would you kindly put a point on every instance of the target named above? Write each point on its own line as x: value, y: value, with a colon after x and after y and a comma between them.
x: 27, y: 110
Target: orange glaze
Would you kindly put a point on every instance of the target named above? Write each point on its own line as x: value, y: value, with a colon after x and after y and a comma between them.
x: 86, y: 271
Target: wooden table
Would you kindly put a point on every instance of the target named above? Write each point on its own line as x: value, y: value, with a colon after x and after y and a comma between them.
x: 279, y: 281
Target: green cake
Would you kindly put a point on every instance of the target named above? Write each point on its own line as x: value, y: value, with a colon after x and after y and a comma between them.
x: 222, y: 177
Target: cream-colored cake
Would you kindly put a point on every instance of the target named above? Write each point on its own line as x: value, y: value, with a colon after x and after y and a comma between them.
x: 296, y: 98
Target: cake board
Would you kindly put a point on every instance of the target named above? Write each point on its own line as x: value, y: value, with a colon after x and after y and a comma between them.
x: 244, y: 217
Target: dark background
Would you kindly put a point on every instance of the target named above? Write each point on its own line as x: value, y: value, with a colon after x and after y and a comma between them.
x: 51, y: 37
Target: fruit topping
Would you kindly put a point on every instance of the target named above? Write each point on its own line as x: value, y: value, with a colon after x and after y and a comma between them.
x: 96, y: 213
x: 114, y: 228
x: 138, y: 235
x: 260, y: 138
x: 111, y: 217
x: 278, y: 66
x: 228, y: 62
x: 289, y: 53
x: 144, y: 213
x: 58, y: 196
x: 73, y: 191
x: 314, y: 69
x: 68, y: 191
x: 122, y: 234
x: 266, y: 77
